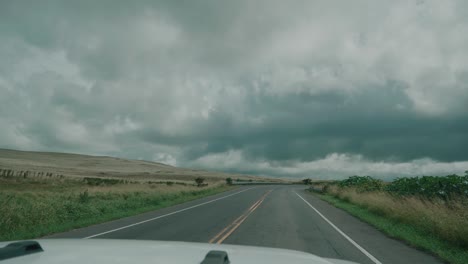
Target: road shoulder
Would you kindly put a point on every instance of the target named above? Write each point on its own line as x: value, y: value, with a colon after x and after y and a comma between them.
x: 371, y: 239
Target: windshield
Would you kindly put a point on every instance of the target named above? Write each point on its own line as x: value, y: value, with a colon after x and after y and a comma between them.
x: 335, y: 128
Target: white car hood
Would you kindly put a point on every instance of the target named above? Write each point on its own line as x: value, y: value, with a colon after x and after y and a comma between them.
x: 113, y: 251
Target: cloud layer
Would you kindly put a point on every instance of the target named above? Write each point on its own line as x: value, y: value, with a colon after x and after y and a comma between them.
x: 303, y: 88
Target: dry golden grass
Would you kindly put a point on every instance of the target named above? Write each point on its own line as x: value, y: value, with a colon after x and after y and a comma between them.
x: 445, y: 220
x: 159, y: 188
x: 76, y: 185
x: 74, y: 165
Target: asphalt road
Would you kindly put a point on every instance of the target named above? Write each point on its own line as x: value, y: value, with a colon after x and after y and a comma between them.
x: 269, y: 216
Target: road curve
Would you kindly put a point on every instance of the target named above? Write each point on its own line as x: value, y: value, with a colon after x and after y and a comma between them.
x: 269, y: 216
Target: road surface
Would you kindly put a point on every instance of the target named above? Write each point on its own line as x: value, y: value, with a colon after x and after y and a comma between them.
x: 269, y: 216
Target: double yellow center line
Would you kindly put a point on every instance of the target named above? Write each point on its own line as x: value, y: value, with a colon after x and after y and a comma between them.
x: 226, y: 232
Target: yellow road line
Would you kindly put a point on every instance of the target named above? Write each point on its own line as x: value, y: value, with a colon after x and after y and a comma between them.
x: 228, y: 230
x: 225, y: 229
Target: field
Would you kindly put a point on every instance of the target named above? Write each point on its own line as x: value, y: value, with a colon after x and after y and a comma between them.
x: 428, y: 212
x: 36, y: 206
x: 43, y: 193
x: 74, y: 165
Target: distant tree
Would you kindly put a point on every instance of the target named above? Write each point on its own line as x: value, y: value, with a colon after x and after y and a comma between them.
x: 229, y: 181
x: 306, y: 181
x: 199, y: 181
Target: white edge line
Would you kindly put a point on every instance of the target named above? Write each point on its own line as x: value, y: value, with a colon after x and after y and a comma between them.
x: 161, y: 216
x: 375, y: 260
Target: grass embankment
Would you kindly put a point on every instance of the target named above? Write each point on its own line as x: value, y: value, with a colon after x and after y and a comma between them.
x: 439, y: 226
x: 32, y: 208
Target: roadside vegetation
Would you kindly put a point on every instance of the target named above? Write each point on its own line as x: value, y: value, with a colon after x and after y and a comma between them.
x: 35, y: 204
x: 428, y: 212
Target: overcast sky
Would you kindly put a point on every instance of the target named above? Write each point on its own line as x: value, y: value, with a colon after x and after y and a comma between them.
x: 321, y: 89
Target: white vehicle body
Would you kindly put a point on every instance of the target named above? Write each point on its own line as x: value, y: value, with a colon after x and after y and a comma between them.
x: 112, y: 251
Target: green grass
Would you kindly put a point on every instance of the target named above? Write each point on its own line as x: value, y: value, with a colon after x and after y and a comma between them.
x: 411, y: 234
x: 26, y: 215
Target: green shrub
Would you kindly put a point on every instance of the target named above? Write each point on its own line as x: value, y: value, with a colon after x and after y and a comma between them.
x: 447, y: 187
x: 307, y: 181
x: 229, y: 181
x: 199, y: 181
x: 101, y: 181
x: 362, y: 183
x: 443, y: 187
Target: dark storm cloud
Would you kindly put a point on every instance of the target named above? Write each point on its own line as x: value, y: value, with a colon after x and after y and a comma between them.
x: 308, y: 127
x: 267, y: 87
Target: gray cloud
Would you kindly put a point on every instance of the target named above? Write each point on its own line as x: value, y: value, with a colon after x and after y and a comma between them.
x: 266, y: 87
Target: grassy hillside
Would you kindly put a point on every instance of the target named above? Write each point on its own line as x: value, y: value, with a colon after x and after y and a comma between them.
x: 74, y: 165
x: 43, y: 192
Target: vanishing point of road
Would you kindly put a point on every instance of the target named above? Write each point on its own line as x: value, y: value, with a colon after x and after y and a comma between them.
x: 279, y: 216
